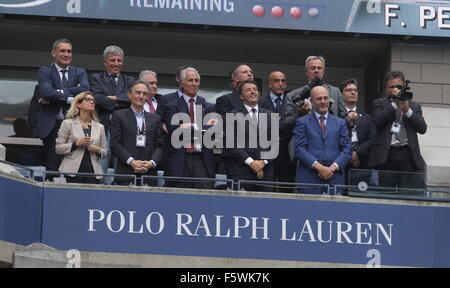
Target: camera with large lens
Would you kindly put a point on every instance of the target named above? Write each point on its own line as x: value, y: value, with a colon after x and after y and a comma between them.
x: 299, y: 99
x: 405, y: 93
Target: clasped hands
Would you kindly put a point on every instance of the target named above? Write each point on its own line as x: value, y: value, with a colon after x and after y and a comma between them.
x: 257, y: 166
x: 325, y: 173
x: 141, y: 166
x: 86, y: 142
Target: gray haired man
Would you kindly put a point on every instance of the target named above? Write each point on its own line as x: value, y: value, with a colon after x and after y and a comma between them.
x: 110, y: 89
x: 295, y: 106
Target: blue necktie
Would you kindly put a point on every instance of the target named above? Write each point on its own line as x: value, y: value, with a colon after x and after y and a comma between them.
x: 64, y: 78
x: 278, y: 104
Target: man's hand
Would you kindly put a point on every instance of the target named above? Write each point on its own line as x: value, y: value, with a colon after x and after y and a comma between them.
x: 85, y: 141
x: 403, y: 105
x: 186, y: 125
x: 43, y: 101
x: 305, y: 107
x: 257, y: 165
x: 325, y: 173
x: 139, y: 166
x: 112, y: 97
x: 212, y: 122
x: 164, y: 128
x: 353, y: 116
x: 149, y: 165
x: 260, y: 174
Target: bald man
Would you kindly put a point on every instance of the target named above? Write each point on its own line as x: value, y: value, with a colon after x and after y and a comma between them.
x: 274, y: 101
x: 322, y: 145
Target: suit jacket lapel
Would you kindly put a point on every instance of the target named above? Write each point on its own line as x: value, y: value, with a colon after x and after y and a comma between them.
x: 78, y: 128
x: 55, y: 75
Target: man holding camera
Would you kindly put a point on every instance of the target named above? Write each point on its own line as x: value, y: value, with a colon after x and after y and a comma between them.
x: 398, y: 120
x: 297, y: 103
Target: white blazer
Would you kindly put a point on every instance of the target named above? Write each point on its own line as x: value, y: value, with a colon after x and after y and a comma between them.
x: 72, y: 130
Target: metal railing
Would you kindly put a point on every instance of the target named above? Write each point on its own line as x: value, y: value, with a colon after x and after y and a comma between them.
x: 429, y: 192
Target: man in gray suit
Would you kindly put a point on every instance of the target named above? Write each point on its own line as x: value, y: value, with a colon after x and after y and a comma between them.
x: 315, y: 71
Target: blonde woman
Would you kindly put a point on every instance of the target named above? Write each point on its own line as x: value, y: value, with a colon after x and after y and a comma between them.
x: 81, y: 139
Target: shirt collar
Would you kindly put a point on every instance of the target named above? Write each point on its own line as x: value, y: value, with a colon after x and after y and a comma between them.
x: 59, y: 68
x: 137, y: 114
x: 186, y: 98
x: 274, y: 97
x: 318, y: 115
x: 249, y: 109
x: 348, y: 109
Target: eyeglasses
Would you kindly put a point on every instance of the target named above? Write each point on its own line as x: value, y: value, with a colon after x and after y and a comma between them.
x: 350, y: 90
x: 89, y: 100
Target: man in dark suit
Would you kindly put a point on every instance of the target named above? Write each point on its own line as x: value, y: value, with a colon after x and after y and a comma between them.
x: 396, y: 147
x: 228, y: 102
x: 154, y: 99
x: 136, y: 136
x: 251, y: 161
x: 362, y: 132
x: 231, y: 101
x: 274, y: 101
x: 167, y: 98
x: 34, y: 109
x: 322, y: 145
x: 195, y: 160
x: 58, y: 84
x: 110, y: 89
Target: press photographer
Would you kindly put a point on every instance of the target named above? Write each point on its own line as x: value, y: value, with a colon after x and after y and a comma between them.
x: 398, y: 120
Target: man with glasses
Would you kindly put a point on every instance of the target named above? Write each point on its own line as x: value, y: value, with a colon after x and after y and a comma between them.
x: 396, y: 148
x: 137, y: 137
x: 58, y: 84
x: 362, y: 133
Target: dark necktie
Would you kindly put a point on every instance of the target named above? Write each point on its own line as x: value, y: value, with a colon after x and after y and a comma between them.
x: 254, y: 117
x: 64, y: 79
x: 114, y: 80
x: 278, y: 104
x: 322, y: 123
x: 150, y: 106
x: 191, y: 115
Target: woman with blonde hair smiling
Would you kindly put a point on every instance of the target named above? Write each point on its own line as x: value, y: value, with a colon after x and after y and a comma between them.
x: 81, y: 139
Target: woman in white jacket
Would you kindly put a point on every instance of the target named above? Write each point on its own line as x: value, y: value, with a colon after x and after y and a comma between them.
x: 81, y: 139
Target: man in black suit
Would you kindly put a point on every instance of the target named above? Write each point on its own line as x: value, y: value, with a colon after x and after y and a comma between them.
x: 58, y: 84
x: 231, y: 101
x: 248, y: 161
x: 396, y: 147
x: 362, y: 132
x: 154, y: 99
x: 228, y: 102
x: 136, y: 136
x: 110, y: 89
x: 195, y: 160
x: 274, y: 101
x: 167, y: 98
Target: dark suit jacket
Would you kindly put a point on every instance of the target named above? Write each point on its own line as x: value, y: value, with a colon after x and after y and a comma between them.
x: 383, y: 115
x: 367, y: 132
x: 102, y: 86
x: 238, y: 169
x: 227, y: 103
x: 162, y: 103
x: 49, y: 81
x: 34, y: 109
x: 176, y: 157
x: 312, y: 145
x: 123, y: 139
